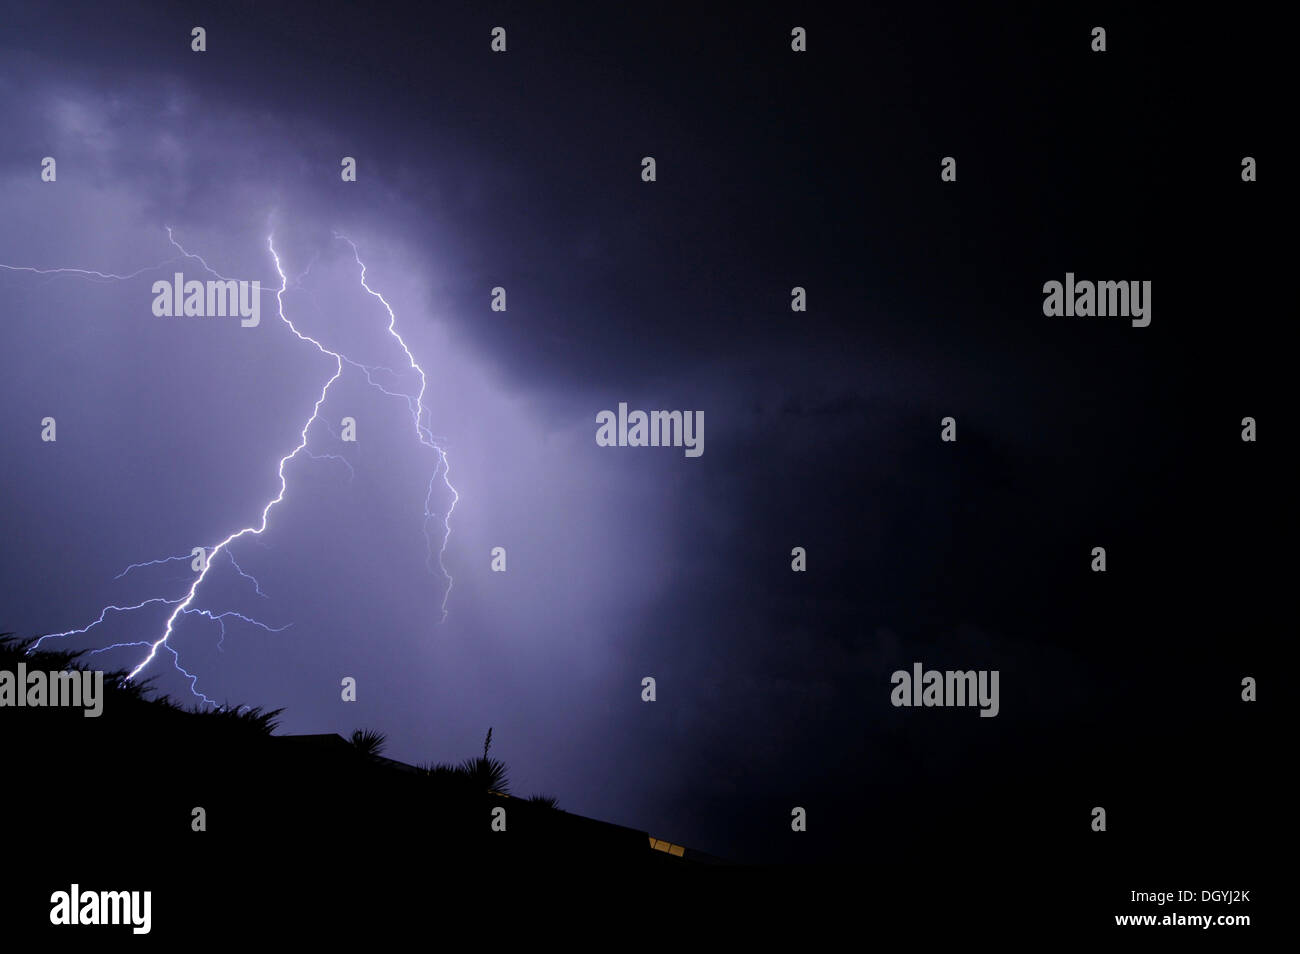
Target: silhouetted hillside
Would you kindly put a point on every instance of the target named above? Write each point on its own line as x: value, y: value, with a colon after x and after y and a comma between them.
x: 133, y: 776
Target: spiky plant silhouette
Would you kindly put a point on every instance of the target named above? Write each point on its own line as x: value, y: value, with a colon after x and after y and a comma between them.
x: 481, y: 775
x: 251, y: 719
x: 137, y: 695
x: 487, y: 775
x: 369, y: 744
x: 544, y: 801
x: 440, y: 771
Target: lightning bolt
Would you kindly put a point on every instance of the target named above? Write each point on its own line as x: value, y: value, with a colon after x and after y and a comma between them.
x: 89, y: 272
x: 421, y: 415
x: 423, y: 433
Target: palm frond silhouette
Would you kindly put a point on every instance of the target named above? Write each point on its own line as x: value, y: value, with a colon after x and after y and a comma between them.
x: 486, y: 775
x: 368, y: 743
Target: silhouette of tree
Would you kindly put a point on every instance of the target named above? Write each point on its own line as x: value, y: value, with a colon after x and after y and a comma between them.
x: 369, y: 743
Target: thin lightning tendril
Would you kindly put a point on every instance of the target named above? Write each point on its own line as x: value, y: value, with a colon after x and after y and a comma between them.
x: 89, y: 272
x: 422, y: 431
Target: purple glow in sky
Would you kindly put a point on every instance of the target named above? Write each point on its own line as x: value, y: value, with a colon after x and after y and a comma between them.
x: 226, y: 437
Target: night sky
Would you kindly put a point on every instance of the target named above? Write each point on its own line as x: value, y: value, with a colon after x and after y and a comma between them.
x: 775, y: 169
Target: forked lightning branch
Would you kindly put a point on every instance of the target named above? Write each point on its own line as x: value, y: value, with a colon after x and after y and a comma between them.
x: 227, y: 297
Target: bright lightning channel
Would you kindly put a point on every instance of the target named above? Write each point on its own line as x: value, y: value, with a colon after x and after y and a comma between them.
x: 420, y: 415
